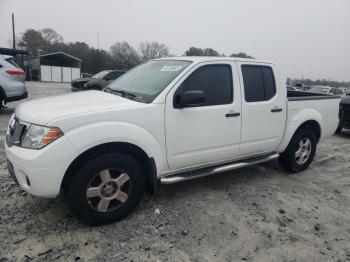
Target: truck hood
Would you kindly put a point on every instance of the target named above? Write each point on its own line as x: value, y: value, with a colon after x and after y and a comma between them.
x: 42, y: 111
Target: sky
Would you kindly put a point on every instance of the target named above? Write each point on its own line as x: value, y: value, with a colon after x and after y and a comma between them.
x: 309, y: 38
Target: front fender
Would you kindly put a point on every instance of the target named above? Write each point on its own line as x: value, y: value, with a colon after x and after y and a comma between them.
x: 88, y: 136
x: 294, y: 121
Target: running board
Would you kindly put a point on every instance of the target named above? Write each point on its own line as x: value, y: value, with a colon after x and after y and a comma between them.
x: 216, y: 169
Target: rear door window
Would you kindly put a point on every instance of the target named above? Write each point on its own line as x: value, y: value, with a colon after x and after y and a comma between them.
x: 259, y: 83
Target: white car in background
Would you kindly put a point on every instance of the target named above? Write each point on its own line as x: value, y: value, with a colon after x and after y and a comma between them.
x: 291, y: 88
x: 12, y: 81
x: 327, y: 90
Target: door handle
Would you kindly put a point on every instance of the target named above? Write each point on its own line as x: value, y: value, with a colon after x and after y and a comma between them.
x: 276, y: 109
x: 232, y: 114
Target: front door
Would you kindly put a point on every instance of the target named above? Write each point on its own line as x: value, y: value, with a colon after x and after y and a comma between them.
x: 206, y: 133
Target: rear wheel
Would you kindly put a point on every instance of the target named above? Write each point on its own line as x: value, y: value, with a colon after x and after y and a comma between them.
x: 300, y: 151
x: 106, y: 188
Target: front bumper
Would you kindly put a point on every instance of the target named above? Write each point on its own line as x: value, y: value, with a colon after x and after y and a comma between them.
x: 76, y: 89
x: 40, y: 172
x: 78, y: 86
x: 11, y: 171
x: 17, y: 97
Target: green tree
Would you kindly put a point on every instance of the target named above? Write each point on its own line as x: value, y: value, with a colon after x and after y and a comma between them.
x: 210, y: 52
x: 194, y: 51
x: 241, y: 55
x: 197, y: 51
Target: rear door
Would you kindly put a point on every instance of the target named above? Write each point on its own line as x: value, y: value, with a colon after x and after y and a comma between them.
x: 201, y: 135
x: 263, y: 108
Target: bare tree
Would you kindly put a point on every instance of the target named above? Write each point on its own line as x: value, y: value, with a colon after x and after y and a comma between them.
x: 124, y: 55
x: 32, y: 40
x: 50, y: 36
x: 152, y: 50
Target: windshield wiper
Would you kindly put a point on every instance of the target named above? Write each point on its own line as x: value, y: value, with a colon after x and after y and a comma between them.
x: 122, y: 92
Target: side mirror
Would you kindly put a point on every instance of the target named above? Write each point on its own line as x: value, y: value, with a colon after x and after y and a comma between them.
x: 192, y: 98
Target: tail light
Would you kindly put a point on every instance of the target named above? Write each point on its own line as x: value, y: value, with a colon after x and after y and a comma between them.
x: 16, y: 73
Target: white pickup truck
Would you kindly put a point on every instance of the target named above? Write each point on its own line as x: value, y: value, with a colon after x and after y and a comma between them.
x: 165, y: 121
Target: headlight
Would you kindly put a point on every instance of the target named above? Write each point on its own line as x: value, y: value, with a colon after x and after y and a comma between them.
x: 37, y: 137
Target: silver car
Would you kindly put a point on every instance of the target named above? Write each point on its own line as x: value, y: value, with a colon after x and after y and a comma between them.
x: 12, y: 81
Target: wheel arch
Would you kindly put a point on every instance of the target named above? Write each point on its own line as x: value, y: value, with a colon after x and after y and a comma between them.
x: 146, y: 162
x: 313, y: 124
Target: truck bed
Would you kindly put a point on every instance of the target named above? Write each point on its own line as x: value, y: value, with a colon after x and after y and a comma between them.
x: 326, y: 107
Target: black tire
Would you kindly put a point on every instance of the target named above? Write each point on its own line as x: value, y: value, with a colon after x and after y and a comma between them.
x: 76, y: 192
x: 339, y: 128
x: 288, y: 160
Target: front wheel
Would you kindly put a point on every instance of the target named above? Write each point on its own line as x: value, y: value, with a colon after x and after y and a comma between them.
x: 106, y: 189
x: 300, y: 151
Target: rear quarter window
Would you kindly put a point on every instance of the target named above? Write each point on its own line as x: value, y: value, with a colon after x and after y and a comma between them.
x: 12, y: 63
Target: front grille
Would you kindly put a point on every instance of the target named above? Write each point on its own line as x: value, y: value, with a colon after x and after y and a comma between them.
x: 15, y: 132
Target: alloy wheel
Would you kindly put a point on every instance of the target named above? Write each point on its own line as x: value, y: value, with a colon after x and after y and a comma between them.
x: 304, y: 151
x: 108, y: 190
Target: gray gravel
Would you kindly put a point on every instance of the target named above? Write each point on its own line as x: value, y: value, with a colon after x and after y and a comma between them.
x: 260, y: 213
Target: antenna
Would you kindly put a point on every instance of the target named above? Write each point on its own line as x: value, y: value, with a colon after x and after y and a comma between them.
x: 302, y: 78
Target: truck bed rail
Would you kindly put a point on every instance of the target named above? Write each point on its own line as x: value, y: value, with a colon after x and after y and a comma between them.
x: 301, y: 95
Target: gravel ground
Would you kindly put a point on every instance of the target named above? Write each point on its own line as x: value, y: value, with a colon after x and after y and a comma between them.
x: 260, y: 213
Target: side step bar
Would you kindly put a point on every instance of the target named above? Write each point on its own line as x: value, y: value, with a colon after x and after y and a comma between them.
x: 216, y: 169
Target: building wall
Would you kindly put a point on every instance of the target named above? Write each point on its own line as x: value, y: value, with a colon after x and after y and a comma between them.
x: 58, y: 73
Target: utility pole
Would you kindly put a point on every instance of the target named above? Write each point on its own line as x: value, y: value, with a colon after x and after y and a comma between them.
x: 13, y: 32
x: 302, y: 79
x: 98, y: 41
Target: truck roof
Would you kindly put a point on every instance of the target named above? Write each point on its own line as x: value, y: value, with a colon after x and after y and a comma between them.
x: 199, y: 59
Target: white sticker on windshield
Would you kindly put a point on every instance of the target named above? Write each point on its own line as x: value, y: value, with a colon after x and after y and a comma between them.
x: 170, y: 68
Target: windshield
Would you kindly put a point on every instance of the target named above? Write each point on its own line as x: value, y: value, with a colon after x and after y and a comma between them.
x: 322, y: 90
x: 146, y: 81
x: 101, y: 74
